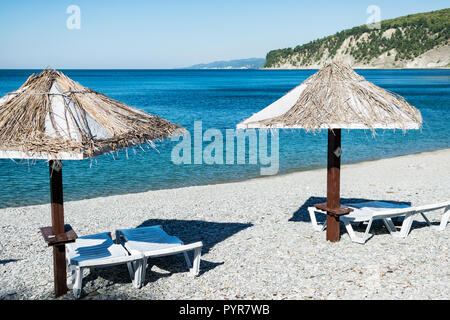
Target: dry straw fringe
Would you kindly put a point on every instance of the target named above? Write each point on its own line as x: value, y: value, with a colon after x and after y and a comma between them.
x: 23, y: 116
x: 338, y: 95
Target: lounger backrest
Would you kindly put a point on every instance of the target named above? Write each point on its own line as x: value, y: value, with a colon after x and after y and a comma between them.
x: 97, y: 250
x: 153, y: 234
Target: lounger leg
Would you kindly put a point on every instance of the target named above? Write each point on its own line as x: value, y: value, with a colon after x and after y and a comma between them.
x: 72, y: 276
x: 188, y: 261
x: 143, y: 270
x: 406, y: 226
x: 78, y: 282
x: 139, y: 280
x: 196, y: 267
x: 389, y: 225
x: 366, y: 234
x: 445, y: 219
x: 352, y: 234
x: 312, y: 216
x: 136, y: 275
x: 425, y: 218
x: 132, y: 270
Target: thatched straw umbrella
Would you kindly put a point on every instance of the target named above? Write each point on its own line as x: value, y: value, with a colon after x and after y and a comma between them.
x: 55, y: 118
x: 336, y: 98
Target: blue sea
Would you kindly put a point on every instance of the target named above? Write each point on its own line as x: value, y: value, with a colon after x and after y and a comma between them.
x: 220, y: 99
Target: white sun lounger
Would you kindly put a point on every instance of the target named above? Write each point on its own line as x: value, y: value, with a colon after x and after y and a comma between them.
x: 374, y: 210
x: 154, y: 242
x: 98, y: 250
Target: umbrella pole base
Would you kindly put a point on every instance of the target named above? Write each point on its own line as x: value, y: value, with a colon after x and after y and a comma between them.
x: 59, y: 269
x: 333, y: 228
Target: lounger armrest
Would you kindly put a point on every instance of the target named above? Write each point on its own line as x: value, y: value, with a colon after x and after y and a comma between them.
x: 173, y: 250
x: 432, y: 207
x: 121, y: 233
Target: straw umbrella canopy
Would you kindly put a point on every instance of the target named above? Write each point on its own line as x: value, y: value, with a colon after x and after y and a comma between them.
x: 54, y: 118
x: 336, y: 98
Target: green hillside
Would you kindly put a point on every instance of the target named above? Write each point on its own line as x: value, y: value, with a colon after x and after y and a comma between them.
x: 411, y: 36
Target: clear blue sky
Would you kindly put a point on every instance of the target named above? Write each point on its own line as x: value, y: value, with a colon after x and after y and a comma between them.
x: 172, y: 33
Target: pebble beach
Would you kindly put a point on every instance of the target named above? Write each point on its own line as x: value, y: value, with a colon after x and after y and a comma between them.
x: 257, y: 236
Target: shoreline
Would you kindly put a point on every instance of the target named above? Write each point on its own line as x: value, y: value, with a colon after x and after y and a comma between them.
x: 279, y: 175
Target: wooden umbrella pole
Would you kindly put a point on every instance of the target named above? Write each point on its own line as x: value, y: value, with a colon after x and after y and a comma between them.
x: 59, y: 250
x: 333, y: 184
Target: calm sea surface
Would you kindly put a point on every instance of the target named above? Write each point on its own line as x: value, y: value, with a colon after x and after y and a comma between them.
x: 220, y: 99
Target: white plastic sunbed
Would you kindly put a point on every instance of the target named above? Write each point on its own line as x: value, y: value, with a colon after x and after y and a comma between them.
x: 154, y: 242
x: 98, y: 250
x: 374, y: 210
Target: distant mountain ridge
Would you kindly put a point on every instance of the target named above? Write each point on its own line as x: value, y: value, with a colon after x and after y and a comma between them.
x: 251, y: 63
x: 414, y: 41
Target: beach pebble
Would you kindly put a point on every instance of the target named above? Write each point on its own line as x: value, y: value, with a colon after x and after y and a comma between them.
x: 257, y: 236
